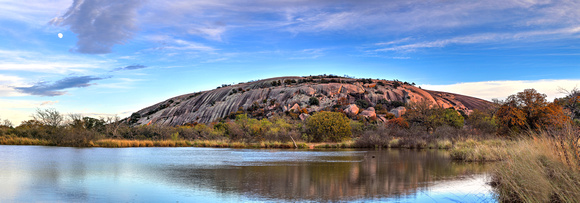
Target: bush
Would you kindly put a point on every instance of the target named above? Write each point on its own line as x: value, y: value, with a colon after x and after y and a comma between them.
x: 363, y: 103
x: 482, y: 122
x: 378, y: 138
x: 450, y: 117
x: 313, y: 101
x: 328, y: 126
x: 398, y: 122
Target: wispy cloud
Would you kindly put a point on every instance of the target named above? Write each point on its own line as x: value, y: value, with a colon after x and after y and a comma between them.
x: 307, y: 53
x: 6, y: 81
x: 394, y: 41
x: 29, y: 61
x: 131, y: 67
x: 213, y: 32
x: 120, y: 83
x: 171, y: 44
x: 57, y: 88
x: 48, y: 103
x: 34, y: 12
x: 541, y: 35
x: 215, y: 60
x: 100, y: 25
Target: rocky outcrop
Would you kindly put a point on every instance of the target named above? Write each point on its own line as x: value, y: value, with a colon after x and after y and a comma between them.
x: 370, y: 112
x: 351, y: 110
x: 268, y: 97
x: 399, y: 111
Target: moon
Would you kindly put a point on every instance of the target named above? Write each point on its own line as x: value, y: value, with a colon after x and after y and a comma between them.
x: 59, y: 35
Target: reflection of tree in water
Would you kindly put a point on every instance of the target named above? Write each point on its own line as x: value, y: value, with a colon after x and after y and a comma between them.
x: 391, y: 173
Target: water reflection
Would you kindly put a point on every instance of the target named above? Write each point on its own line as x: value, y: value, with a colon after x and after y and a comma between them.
x: 56, y: 174
x: 333, y: 176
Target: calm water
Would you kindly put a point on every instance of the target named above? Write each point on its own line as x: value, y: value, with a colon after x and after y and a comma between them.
x: 62, y: 174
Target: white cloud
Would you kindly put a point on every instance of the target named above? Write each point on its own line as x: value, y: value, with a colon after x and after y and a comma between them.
x: 501, y: 89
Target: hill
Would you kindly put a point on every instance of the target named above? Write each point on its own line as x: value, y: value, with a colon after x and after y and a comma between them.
x: 298, y: 97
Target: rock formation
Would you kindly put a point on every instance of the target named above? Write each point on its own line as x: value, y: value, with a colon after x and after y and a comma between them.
x: 267, y: 97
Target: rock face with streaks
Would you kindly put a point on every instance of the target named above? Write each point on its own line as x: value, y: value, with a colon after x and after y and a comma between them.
x: 267, y: 97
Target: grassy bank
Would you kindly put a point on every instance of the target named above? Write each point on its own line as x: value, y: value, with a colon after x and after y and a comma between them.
x: 120, y: 143
x: 13, y: 140
x: 353, y: 143
x: 481, y: 150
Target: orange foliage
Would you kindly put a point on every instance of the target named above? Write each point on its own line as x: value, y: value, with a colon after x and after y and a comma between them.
x: 552, y: 115
x: 400, y: 122
x: 510, y: 117
x: 530, y: 109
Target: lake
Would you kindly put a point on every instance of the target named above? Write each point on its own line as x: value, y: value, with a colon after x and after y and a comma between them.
x: 65, y: 174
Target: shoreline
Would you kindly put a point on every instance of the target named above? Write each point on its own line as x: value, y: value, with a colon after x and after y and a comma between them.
x: 460, y: 150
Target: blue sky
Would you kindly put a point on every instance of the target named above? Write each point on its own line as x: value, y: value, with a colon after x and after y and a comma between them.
x: 116, y: 57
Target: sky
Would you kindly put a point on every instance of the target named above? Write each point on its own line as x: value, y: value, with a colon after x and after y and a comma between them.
x: 103, y: 58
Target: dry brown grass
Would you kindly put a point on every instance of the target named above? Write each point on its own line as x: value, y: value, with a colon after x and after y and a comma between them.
x: 113, y: 143
x: 544, y: 168
x: 480, y: 151
x: 13, y: 140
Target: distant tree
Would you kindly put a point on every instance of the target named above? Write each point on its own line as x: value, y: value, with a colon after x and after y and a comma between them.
x: 134, y: 118
x: 7, y: 123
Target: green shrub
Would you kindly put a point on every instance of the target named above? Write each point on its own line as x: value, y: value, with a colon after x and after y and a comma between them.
x: 363, y: 103
x: 328, y: 126
x: 313, y: 101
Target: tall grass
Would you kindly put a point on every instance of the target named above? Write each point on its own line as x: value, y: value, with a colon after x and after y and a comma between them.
x: 112, y: 143
x: 228, y: 144
x: 542, y: 169
x: 13, y: 140
x: 480, y: 150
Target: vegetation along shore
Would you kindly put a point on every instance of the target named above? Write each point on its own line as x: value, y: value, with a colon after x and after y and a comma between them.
x: 535, y: 142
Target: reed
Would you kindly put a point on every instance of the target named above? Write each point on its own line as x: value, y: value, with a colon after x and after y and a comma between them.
x: 544, y: 168
x: 13, y: 140
x: 115, y: 143
x: 480, y: 150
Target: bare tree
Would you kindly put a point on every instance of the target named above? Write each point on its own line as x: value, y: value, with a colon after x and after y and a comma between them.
x: 49, y: 117
x: 75, y: 120
x: 112, y: 125
x: 571, y: 101
x: 6, y: 123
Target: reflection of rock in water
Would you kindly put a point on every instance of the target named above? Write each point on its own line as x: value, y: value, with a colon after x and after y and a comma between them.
x: 391, y: 173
